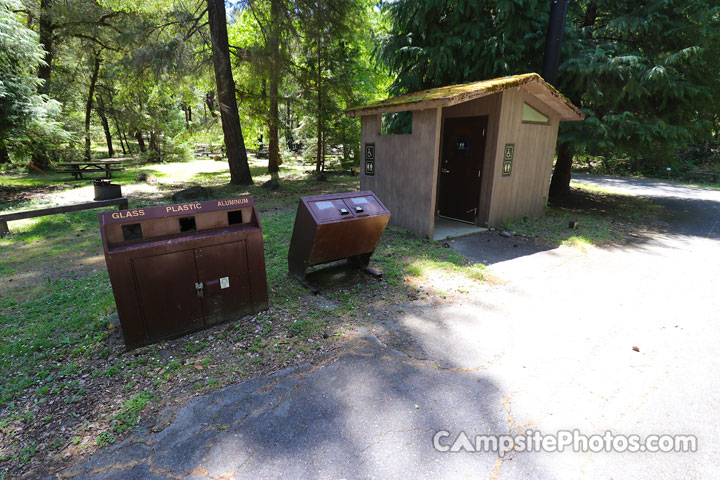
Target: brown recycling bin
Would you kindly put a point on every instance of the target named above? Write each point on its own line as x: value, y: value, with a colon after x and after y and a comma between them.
x: 336, y: 226
x: 180, y: 268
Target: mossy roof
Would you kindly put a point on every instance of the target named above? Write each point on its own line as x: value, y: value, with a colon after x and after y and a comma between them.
x: 454, y: 94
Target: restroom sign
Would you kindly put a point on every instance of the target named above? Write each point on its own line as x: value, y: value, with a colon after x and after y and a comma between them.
x: 508, y: 158
x: 462, y: 146
x: 370, y: 159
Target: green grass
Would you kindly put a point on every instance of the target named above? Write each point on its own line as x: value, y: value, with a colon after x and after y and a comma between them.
x: 54, y: 315
x: 68, y: 320
x: 604, y: 217
x: 128, y: 416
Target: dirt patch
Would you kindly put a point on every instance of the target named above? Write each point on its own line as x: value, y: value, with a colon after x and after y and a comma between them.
x: 9, y: 194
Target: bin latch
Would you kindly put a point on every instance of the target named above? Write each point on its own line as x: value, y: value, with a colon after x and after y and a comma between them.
x: 199, y: 289
x: 344, y: 211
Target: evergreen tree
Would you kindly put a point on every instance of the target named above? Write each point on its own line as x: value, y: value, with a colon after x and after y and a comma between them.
x: 641, y: 73
x: 25, y: 115
x: 639, y: 70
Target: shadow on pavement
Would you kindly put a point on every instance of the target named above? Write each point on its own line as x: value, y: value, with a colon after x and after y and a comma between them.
x: 489, y: 248
x: 368, y: 412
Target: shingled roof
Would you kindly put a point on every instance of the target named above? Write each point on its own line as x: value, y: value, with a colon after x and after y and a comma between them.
x: 454, y: 94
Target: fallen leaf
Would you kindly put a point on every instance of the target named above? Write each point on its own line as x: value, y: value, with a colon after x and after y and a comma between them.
x: 198, y: 367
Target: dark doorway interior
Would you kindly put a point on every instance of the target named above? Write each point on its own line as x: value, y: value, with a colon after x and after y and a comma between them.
x: 461, y: 163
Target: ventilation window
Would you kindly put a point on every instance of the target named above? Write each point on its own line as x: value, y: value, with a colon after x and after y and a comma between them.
x: 132, y: 231
x: 187, y: 224
x: 235, y: 217
x: 399, y: 123
x: 530, y: 115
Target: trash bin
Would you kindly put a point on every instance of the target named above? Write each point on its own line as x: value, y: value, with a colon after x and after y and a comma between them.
x: 105, y: 190
x: 180, y: 268
x: 334, y: 227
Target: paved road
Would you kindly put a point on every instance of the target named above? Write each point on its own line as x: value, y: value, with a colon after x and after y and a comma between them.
x: 548, y: 350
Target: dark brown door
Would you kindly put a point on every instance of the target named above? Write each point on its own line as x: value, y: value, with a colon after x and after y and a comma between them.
x: 168, y: 298
x: 461, y: 165
x: 223, y: 271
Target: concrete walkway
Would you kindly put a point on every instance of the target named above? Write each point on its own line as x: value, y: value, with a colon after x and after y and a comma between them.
x: 548, y: 350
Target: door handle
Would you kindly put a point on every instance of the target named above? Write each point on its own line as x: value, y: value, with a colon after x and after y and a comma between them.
x: 199, y: 289
x: 444, y: 170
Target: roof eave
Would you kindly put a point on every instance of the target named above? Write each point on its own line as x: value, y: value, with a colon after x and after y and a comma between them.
x: 532, y: 83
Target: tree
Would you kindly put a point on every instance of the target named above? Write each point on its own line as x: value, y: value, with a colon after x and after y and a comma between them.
x: 234, y: 141
x: 276, y: 11
x: 431, y: 43
x: 25, y: 115
x: 329, y: 66
x: 641, y: 74
x: 638, y: 70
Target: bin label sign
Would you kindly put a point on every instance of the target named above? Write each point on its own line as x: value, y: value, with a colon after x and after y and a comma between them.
x: 225, y: 282
x: 369, y: 159
x: 128, y: 213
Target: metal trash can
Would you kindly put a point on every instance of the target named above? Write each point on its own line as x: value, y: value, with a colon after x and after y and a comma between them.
x: 105, y: 190
x: 334, y: 227
x: 180, y: 268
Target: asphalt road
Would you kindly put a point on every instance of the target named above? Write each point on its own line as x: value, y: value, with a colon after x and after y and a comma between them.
x: 548, y: 349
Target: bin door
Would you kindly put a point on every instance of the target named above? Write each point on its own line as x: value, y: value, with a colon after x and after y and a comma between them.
x: 223, y: 271
x: 166, y: 286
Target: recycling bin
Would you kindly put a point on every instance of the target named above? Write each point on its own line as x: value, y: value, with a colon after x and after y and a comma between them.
x: 176, y: 269
x: 335, y: 227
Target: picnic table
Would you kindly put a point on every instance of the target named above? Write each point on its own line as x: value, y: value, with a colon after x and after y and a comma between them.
x: 92, y: 166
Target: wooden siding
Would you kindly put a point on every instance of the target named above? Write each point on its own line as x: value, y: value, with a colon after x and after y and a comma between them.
x: 406, y: 169
x: 525, y: 191
x: 489, y: 106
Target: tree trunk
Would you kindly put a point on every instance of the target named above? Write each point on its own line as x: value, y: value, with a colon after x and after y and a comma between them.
x: 189, y: 113
x: 187, y: 121
x: 45, y: 37
x: 232, y: 131
x: 273, y: 120
x: 106, y: 126
x: 4, y: 154
x: 154, y: 145
x: 560, y: 184
x: 320, y: 163
x: 89, y: 104
x: 210, y: 99
x: 120, y: 136
x: 127, y: 144
x: 141, y: 141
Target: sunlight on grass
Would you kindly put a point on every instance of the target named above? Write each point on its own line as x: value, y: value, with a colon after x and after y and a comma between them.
x: 604, y: 217
x: 58, y: 343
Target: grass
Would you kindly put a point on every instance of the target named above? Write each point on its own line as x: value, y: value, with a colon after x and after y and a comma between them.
x: 40, y: 335
x: 66, y: 375
x: 604, y: 217
x: 129, y: 414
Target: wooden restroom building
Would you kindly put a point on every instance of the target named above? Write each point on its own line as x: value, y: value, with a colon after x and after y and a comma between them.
x: 471, y: 155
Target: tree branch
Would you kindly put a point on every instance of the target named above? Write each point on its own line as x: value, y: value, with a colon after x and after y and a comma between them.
x: 93, y: 39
